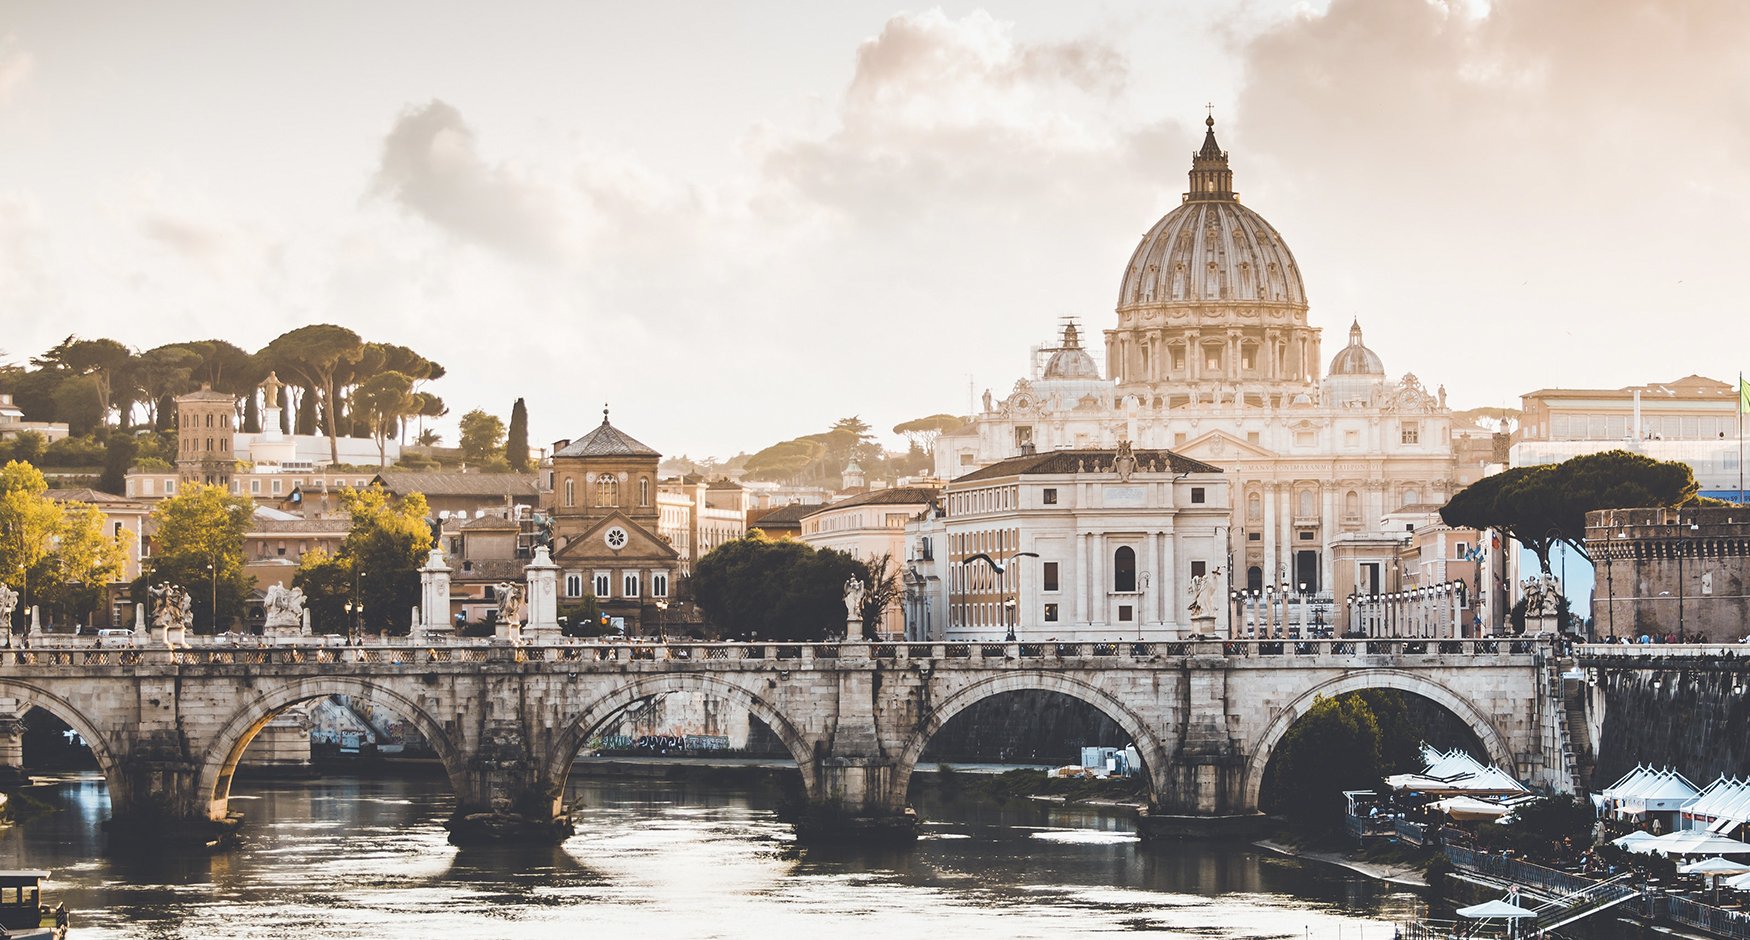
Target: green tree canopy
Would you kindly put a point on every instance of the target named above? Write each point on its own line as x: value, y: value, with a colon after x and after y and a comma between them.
x: 312, y: 355
x: 326, y: 580
x: 482, y: 434
x: 922, y: 432
x: 516, y: 442
x: 388, y: 542
x: 1332, y: 748
x: 1542, y: 505
x: 752, y: 588
x: 382, y: 401
x: 202, y: 525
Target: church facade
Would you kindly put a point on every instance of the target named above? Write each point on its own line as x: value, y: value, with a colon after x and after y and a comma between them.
x: 1213, y: 357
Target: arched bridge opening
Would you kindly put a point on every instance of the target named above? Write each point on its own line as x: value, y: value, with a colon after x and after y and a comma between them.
x: 327, y: 716
x: 41, y: 731
x: 1350, y: 732
x: 1035, y: 718
x: 679, y: 716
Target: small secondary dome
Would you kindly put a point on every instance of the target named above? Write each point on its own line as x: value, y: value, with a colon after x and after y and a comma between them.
x: 1356, y: 358
x: 1071, y: 361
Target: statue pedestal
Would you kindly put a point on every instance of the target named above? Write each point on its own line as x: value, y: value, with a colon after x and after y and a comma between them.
x: 1203, y: 625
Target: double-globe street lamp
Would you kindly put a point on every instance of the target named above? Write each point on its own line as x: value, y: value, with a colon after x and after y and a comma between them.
x: 1009, y: 604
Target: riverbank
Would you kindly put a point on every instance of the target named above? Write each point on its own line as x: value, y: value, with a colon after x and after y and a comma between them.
x: 1408, y: 873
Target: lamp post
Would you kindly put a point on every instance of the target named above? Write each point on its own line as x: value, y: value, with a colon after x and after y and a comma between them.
x: 1303, y: 610
x: 213, y: 598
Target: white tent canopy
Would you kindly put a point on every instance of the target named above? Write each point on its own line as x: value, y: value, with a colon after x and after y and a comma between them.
x: 1639, y: 835
x: 1723, y: 806
x: 1455, y: 773
x: 1690, y: 842
x: 1469, y: 807
x: 1714, y: 866
x: 1495, y: 910
x: 1646, y: 790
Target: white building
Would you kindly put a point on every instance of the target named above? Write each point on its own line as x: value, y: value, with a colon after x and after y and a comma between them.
x: 1092, y: 545
x: 1213, y: 357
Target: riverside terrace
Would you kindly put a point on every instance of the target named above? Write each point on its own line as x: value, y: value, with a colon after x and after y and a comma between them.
x: 168, y: 727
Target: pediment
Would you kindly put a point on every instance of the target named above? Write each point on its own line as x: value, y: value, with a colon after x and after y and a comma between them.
x: 1217, y: 446
x: 591, y: 547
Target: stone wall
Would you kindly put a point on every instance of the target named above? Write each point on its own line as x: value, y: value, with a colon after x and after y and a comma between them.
x: 1671, y: 571
x: 1692, y: 720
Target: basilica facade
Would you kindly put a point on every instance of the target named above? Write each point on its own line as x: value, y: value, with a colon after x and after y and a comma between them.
x: 1214, y: 358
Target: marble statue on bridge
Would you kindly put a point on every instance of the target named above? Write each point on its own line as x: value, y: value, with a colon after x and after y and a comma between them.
x: 8, y: 604
x: 285, y: 609
x: 173, y: 614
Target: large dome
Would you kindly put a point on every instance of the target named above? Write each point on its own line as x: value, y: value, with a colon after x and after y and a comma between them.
x: 1070, y: 360
x: 1211, y: 249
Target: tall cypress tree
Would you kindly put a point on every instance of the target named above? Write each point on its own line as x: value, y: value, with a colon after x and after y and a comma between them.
x: 251, y: 415
x: 307, y: 412
x: 516, y: 441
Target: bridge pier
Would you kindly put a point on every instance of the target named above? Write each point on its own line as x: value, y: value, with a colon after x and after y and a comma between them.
x: 505, y: 796
x: 858, y: 799
x: 12, y: 743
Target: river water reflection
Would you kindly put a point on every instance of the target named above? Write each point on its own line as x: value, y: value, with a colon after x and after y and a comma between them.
x: 367, y: 858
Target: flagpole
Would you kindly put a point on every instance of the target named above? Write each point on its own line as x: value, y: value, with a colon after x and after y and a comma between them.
x: 1740, y: 437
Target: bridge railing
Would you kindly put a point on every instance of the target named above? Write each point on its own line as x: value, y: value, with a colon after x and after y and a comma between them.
x: 391, y: 651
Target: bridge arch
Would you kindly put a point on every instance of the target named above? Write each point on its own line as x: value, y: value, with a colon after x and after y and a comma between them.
x: 577, y: 729
x: 218, y: 761
x: 1148, y: 744
x: 103, y: 748
x: 1500, y: 753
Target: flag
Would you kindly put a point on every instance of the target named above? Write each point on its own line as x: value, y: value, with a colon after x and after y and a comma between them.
x: 1743, y: 396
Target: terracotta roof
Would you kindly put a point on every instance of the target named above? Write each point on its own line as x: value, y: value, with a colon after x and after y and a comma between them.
x: 790, y: 514
x: 458, y: 484
x: 721, y: 484
x: 1066, y: 461
x: 262, y: 526
x: 487, y: 569
x: 488, y: 522
x: 894, y: 496
x: 86, y: 494
x: 607, y: 441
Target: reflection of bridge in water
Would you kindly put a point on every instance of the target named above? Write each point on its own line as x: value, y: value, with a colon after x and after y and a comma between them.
x: 507, y: 721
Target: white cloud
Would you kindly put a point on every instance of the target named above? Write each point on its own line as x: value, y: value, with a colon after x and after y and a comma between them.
x: 16, y: 65
x: 432, y: 168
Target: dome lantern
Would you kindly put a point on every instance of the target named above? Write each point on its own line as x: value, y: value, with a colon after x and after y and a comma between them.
x: 1210, y: 177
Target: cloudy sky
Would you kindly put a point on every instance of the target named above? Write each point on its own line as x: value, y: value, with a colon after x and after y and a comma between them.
x: 738, y: 222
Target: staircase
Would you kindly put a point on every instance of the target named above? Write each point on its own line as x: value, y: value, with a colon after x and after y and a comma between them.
x: 1582, y: 904
x: 1579, y: 732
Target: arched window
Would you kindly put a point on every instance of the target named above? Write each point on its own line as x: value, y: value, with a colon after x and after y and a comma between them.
x: 1412, y: 496
x: 1308, y: 504
x: 1124, y: 569
x: 570, y: 492
x: 1254, y: 507
x: 1254, y: 578
x: 643, y: 491
x: 1352, y: 504
x: 607, y: 490
x: 209, y: 421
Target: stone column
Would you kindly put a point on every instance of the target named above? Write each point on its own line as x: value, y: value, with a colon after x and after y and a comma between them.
x: 1097, y: 579
x: 12, y: 741
x: 541, y: 596
x: 434, y: 594
x: 1269, y: 494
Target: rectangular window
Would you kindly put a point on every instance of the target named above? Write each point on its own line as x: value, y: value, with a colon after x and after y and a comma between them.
x: 1351, y: 439
x: 1459, y: 550
x: 1048, y: 578
x: 118, y: 530
x: 276, y: 487
x: 1049, y: 496
x: 1125, y: 613
x: 601, y: 584
x: 1178, y: 438
x: 1198, y: 568
x: 1410, y: 432
x: 1050, y: 613
x: 1306, y: 536
x: 169, y: 487
x: 573, y: 584
x: 1254, y: 536
x: 1252, y: 437
x: 629, y: 585
x: 659, y: 584
x: 1197, y: 494
x: 255, y: 487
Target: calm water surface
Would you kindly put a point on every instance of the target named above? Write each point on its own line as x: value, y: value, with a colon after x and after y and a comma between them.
x: 367, y: 858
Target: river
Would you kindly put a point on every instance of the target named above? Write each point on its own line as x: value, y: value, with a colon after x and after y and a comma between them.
x: 366, y: 857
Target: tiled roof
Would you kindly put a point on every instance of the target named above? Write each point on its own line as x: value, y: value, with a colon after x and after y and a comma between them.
x: 488, y: 522
x: 459, y: 484
x: 606, y: 441
x: 1073, y: 461
x: 262, y: 526
x: 893, y: 496
x: 86, y: 494
x: 790, y: 514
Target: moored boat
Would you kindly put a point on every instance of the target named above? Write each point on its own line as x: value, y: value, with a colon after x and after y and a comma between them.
x: 23, y: 915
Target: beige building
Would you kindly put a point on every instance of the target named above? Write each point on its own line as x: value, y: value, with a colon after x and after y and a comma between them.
x: 12, y: 422
x: 605, y: 527
x: 1213, y: 357
x: 869, y: 527
x: 696, y: 516
x: 1092, y: 545
x: 1692, y: 420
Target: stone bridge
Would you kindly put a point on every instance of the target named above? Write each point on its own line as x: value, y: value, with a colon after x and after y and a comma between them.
x: 507, y: 721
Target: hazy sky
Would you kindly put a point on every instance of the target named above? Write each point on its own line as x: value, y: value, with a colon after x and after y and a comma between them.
x: 738, y: 222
